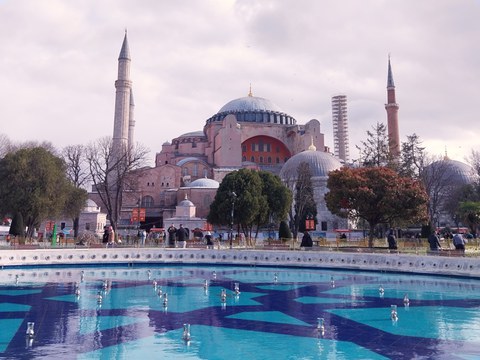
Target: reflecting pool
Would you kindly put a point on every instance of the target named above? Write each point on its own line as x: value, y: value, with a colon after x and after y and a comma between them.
x: 179, y: 312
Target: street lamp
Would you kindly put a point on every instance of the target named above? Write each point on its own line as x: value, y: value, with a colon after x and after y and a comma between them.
x: 233, y: 197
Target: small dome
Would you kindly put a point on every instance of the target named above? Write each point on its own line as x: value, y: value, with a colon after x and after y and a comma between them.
x: 204, y: 183
x: 193, y: 134
x: 186, y: 202
x: 321, y: 163
x: 91, y: 203
x: 453, y: 171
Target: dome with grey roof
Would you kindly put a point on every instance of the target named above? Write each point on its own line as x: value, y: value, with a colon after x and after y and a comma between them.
x: 250, y: 103
x: 186, y: 203
x: 204, y: 183
x: 193, y: 134
x: 321, y: 163
x: 253, y: 109
x: 452, y: 171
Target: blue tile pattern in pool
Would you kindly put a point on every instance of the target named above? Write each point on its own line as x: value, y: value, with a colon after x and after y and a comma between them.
x: 273, y: 317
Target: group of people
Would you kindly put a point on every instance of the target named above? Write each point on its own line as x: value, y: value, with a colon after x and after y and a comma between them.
x: 108, y: 236
x: 177, y: 236
x: 458, y: 241
x: 433, y: 240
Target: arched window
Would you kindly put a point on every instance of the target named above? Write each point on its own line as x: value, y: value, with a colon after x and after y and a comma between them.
x: 147, y: 201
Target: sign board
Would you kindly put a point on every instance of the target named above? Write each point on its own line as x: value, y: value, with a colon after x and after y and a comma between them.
x: 310, y: 224
x: 49, y: 225
x: 138, y: 215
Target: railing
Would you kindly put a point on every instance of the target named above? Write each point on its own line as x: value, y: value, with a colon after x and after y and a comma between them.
x: 405, y: 246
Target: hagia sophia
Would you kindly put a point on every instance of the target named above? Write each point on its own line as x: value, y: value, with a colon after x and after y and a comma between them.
x: 248, y: 132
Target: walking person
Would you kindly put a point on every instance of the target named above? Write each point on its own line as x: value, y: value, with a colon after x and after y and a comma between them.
x: 172, y: 235
x: 105, y: 236
x: 434, y: 241
x: 182, y: 236
x: 111, y: 237
x: 392, y: 241
x: 208, y: 239
x: 142, y: 234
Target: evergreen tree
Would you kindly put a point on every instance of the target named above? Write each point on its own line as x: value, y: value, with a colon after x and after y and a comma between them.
x: 375, y: 151
x: 17, y: 228
x: 284, y: 232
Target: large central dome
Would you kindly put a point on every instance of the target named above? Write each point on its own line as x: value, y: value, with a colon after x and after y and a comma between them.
x: 249, y: 103
x: 253, y: 109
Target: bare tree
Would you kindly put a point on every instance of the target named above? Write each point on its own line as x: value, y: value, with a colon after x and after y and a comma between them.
x: 5, y: 145
x: 439, y: 182
x: 474, y: 160
x: 77, y: 172
x: 111, y: 173
x: 299, y: 181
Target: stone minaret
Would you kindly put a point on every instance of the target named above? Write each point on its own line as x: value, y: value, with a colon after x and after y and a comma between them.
x: 392, y: 115
x: 123, y: 100
x: 131, y: 122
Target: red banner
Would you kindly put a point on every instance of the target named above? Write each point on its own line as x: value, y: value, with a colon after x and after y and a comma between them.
x: 138, y: 215
x: 49, y: 225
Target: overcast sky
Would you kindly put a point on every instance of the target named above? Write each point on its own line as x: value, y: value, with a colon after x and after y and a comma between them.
x: 190, y: 57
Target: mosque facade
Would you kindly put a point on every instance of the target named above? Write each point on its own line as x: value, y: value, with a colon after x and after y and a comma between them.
x: 248, y: 132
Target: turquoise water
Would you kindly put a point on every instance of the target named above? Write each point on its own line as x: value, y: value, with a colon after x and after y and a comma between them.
x: 273, y: 317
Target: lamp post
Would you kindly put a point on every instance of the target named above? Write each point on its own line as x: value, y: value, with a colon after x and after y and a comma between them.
x: 234, y: 196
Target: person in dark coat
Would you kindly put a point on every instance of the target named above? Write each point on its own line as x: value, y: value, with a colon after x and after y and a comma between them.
x: 306, y: 240
x: 208, y: 239
x: 105, y: 235
x: 182, y: 236
x: 434, y: 241
x: 172, y: 235
x: 392, y: 241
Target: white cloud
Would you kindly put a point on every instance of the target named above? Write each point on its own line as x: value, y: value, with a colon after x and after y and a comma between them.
x: 189, y: 58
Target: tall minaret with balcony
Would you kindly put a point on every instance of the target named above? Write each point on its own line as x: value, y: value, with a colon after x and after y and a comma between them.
x: 123, y: 120
x: 392, y: 115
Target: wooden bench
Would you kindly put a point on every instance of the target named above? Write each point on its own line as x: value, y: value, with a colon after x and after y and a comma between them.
x: 26, y: 246
x: 196, y: 244
x: 447, y: 252
x: 276, y: 245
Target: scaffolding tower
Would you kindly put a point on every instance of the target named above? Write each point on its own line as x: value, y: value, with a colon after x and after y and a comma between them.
x: 340, y: 127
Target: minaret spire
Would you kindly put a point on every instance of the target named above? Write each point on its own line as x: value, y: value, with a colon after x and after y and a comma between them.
x: 392, y: 114
x: 123, y: 100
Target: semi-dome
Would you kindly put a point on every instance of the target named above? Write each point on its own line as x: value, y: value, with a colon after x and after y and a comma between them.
x: 204, y: 183
x: 321, y: 163
x: 452, y: 171
x: 253, y: 109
